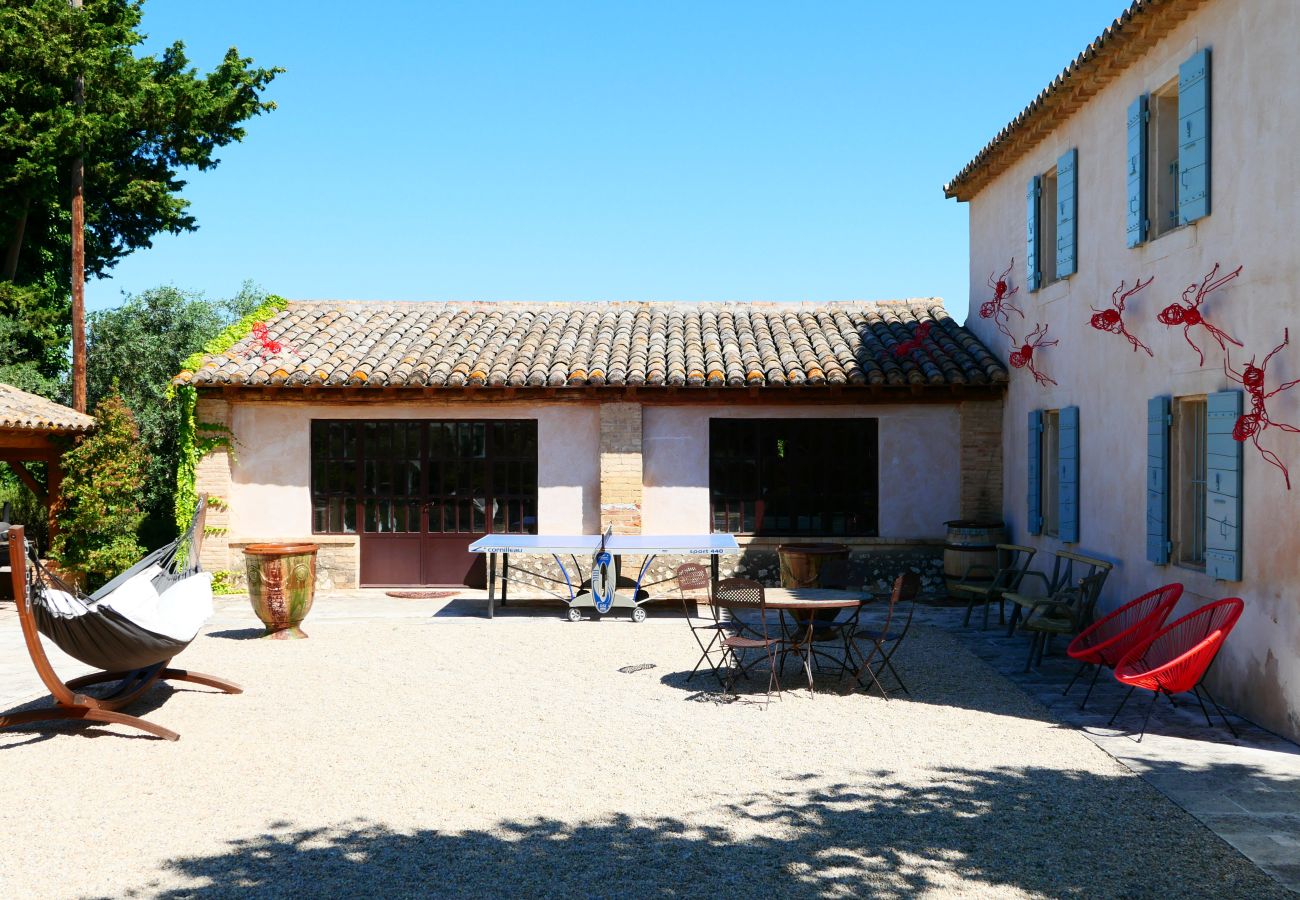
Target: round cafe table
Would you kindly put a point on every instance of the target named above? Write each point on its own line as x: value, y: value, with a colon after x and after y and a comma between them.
x: 805, y: 606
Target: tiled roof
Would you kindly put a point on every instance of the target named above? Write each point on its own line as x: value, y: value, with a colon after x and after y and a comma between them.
x: 19, y: 409
x: 371, y: 344
x: 1128, y: 37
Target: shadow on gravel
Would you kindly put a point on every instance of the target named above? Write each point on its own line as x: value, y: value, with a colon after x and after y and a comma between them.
x: 238, y: 634
x: 1042, y: 831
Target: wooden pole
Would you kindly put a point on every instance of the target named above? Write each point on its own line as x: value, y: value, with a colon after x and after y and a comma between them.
x: 79, y: 260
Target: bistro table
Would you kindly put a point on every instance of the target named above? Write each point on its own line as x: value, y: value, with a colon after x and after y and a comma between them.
x: 806, y: 609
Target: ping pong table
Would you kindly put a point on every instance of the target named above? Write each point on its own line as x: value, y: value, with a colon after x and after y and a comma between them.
x: 598, y: 588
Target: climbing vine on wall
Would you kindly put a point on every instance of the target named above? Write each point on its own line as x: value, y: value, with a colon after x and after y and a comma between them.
x: 198, y: 439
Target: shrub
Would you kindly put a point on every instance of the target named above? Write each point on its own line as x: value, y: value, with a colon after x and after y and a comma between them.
x: 100, y: 511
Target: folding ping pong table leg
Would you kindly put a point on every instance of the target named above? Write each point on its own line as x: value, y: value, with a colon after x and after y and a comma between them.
x: 505, y: 576
x: 492, y: 584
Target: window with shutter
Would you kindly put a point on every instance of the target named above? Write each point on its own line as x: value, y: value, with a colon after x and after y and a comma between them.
x: 1067, y: 205
x: 1194, y: 138
x: 1223, y: 487
x: 1033, y: 274
x: 1137, y: 171
x: 1033, y: 462
x: 1158, y: 421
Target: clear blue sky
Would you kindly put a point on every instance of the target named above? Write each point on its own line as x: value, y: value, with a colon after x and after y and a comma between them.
x: 603, y: 150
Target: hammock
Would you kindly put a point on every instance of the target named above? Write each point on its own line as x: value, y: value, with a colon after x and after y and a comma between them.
x: 131, y: 628
x: 141, y: 618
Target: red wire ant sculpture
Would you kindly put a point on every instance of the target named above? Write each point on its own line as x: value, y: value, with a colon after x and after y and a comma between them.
x: 1189, y: 313
x: 267, y: 347
x: 1112, y: 320
x: 999, y: 307
x: 1024, y: 357
x: 1250, y: 425
x: 915, y: 342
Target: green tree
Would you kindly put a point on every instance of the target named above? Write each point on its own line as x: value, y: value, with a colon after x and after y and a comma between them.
x: 144, y: 120
x: 100, y: 511
x: 135, y: 350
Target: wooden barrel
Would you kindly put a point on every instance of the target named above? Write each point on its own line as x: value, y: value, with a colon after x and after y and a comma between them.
x: 971, y: 542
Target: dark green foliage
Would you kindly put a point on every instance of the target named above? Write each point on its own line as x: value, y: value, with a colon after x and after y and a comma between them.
x: 135, y: 350
x: 101, y: 512
x: 143, y: 121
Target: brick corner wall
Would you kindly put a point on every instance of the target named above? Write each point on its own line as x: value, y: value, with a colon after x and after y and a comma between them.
x: 212, y: 477
x: 620, y: 467
x: 981, y: 459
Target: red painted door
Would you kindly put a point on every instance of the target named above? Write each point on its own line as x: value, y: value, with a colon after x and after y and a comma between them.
x: 426, y: 489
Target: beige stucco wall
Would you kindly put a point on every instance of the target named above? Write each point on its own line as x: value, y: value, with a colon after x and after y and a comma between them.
x: 919, y: 464
x: 270, y: 492
x: 1254, y: 220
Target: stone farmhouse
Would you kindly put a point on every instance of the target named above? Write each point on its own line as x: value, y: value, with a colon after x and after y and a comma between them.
x: 1161, y: 152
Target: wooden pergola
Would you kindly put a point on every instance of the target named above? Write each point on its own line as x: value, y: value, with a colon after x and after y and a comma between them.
x: 36, y: 430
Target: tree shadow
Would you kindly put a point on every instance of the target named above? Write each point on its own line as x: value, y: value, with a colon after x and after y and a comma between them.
x: 1038, y: 830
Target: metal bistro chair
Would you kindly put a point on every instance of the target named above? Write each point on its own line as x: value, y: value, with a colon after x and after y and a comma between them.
x: 1177, y: 658
x: 693, y: 582
x: 738, y: 595
x: 985, y: 586
x: 1104, y: 643
x: 886, y: 640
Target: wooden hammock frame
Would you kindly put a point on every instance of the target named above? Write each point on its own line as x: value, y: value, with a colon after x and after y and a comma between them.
x: 78, y: 706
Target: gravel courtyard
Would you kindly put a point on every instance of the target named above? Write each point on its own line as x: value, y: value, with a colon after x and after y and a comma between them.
x: 467, y: 757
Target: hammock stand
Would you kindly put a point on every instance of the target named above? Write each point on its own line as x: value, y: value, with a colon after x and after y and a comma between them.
x: 72, y: 704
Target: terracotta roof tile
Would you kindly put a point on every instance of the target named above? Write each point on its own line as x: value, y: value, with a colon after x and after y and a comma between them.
x: 454, y: 345
x: 19, y: 409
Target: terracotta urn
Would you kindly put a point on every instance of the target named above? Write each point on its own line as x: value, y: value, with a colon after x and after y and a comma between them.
x: 281, y: 586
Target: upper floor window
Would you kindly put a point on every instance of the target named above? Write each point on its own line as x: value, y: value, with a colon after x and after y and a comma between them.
x: 1169, y: 153
x: 1052, y: 227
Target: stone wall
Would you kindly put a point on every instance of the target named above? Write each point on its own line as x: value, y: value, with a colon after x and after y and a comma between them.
x: 337, y: 562
x: 872, y: 565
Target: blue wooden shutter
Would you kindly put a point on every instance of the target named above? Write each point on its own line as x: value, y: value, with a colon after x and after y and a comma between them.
x: 1223, y: 487
x: 1067, y: 208
x: 1033, y: 273
x: 1194, y: 137
x: 1158, y: 480
x: 1137, y: 171
x: 1032, y: 464
x: 1067, y: 468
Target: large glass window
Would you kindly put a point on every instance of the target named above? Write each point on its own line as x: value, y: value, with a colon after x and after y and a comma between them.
x: 794, y: 476
x: 415, y: 476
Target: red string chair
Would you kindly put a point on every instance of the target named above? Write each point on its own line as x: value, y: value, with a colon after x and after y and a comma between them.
x: 1176, y: 658
x: 1104, y: 643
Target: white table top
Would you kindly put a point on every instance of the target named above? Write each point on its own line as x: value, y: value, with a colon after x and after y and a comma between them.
x: 618, y: 544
